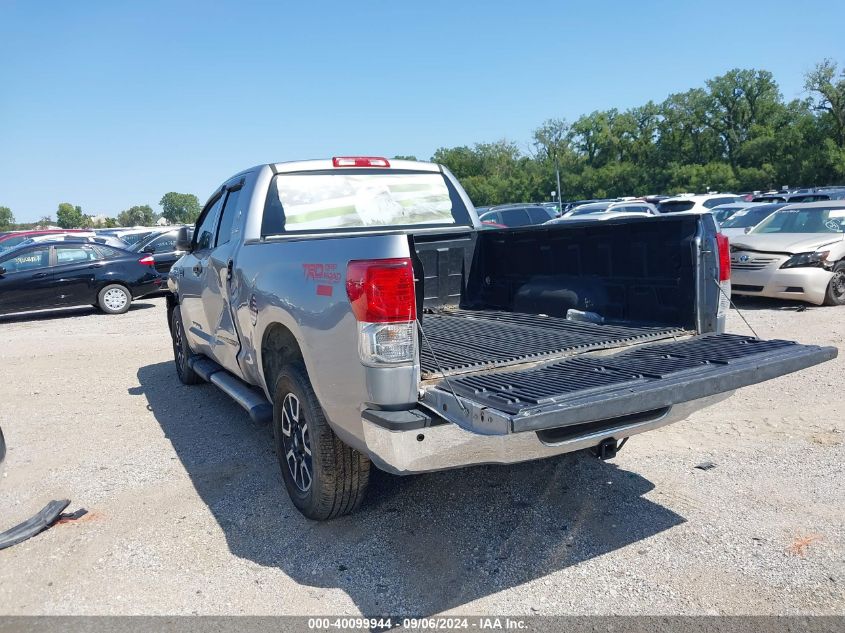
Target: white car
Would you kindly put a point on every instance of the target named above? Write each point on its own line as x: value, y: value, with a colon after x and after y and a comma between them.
x: 744, y: 220
x: 798, y: 252
x: 696, y: 202
x: 725, y: 211
x: 108, y: 240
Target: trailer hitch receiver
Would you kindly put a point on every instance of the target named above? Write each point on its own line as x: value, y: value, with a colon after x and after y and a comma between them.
x: 608, y: 448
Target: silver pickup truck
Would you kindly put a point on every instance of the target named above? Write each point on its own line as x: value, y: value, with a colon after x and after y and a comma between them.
x: 359, y: 304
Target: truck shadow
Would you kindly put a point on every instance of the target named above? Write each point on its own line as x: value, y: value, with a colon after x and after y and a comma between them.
x: 419, y: 545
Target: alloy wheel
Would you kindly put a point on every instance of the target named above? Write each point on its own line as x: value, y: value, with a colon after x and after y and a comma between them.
x: 296, y: 441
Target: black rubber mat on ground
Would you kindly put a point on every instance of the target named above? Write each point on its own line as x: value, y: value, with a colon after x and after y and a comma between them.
x: 574, y: 377
x: 468, y: 340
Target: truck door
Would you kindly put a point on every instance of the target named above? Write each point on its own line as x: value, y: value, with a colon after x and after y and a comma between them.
x: 221, y: 285
x: 193, y: 286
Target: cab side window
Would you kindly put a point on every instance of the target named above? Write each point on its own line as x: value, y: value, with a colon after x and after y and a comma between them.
x: 230, y: 210
x: 204, y: 235
x: 28, y: 260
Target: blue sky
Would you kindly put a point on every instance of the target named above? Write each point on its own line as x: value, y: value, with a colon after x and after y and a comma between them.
x: 111, y: 104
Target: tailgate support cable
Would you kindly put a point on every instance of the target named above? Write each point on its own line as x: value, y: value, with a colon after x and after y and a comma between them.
x: 440, y: 369
x: 731, y: 301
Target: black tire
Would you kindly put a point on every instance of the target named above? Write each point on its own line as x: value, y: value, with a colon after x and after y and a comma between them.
x: 835, y: 294
x: 337, y: 475
x: 182, y: 350
x: 110, y: 300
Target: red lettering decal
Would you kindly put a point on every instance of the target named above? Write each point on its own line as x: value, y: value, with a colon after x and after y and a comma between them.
x: 324, y: 291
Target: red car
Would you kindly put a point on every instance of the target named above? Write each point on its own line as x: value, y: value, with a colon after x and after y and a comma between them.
x: 8, y: 240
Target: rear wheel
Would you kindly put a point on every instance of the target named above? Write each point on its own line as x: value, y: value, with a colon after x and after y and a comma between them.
x: 835, y: 295
x: 181, y: 350
x: 114, y: 299
x: 324, y: 477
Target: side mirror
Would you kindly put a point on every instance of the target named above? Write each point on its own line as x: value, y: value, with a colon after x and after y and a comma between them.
x: 184, y: 239
x: 150, y: 249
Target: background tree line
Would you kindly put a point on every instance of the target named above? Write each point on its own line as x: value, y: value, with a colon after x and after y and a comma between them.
x: 734, y: 134
x: 176, y: 208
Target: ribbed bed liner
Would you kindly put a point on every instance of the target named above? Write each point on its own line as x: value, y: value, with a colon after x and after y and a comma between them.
x: 472, y: 340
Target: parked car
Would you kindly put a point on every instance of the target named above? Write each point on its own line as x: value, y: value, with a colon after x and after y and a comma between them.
x: 13, y: 238
x: 131, y: 236
x: 798, y: 252
x: 794, y: 197
x: 553, y: 207
x: 601, y: 216
x: 747, y: 218
x: 577, y: 203
x: 55, y: 274
x: 586, y: 209
x: 725, y: 211
x: 356, y: 303
x: 696, y: 202
x: 817, y: 196
x: 162, y: 247
x: 108, y: 240
x: 517, y: 215
x: 633, y: 206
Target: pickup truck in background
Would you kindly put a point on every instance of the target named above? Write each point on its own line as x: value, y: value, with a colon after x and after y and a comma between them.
x: 358, y: 305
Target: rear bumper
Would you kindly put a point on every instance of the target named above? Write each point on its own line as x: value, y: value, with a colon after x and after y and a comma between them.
x: 448, y: 446
x: 152, y: 286
x: 803, y: 284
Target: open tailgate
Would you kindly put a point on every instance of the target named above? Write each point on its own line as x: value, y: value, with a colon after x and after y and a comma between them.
x: 585, y: 389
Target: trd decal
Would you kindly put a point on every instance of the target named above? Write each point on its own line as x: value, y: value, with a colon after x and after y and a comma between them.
x: 327, y: 273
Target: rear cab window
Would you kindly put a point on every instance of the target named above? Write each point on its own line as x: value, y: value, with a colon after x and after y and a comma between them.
x: 357, y: 199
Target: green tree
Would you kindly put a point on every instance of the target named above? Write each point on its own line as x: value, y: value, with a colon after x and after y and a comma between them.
x: 401, y: 157
x: 7, y: 219
x: 180, y: 208
x: 139, y: 215
x: 69, y: 216
x: 827, y: 87
x: 743, y: 103
x: 45, y: 220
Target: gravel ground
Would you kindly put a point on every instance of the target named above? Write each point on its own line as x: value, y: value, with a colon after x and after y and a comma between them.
x: 187, y: 512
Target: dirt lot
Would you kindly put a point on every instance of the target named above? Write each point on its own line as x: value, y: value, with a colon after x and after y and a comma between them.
x: 187, y: 512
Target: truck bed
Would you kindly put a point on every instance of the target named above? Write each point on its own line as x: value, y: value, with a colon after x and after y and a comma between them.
x: 466, y: 341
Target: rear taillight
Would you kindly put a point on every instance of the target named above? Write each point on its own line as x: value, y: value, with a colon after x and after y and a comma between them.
x: 360, y: 161
x: 147, y: 260
x: 381, y: 293
x: 381, y: 290
x: 724, y: 246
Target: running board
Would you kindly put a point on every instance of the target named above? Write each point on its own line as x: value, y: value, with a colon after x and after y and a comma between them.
x: 255, y: 403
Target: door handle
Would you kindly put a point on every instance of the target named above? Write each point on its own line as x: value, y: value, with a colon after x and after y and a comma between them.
x: 95, y: 266
x: 39, y: 275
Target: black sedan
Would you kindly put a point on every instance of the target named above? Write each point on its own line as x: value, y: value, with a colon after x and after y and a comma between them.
x: 162, y: 247
x: 59, y: 274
